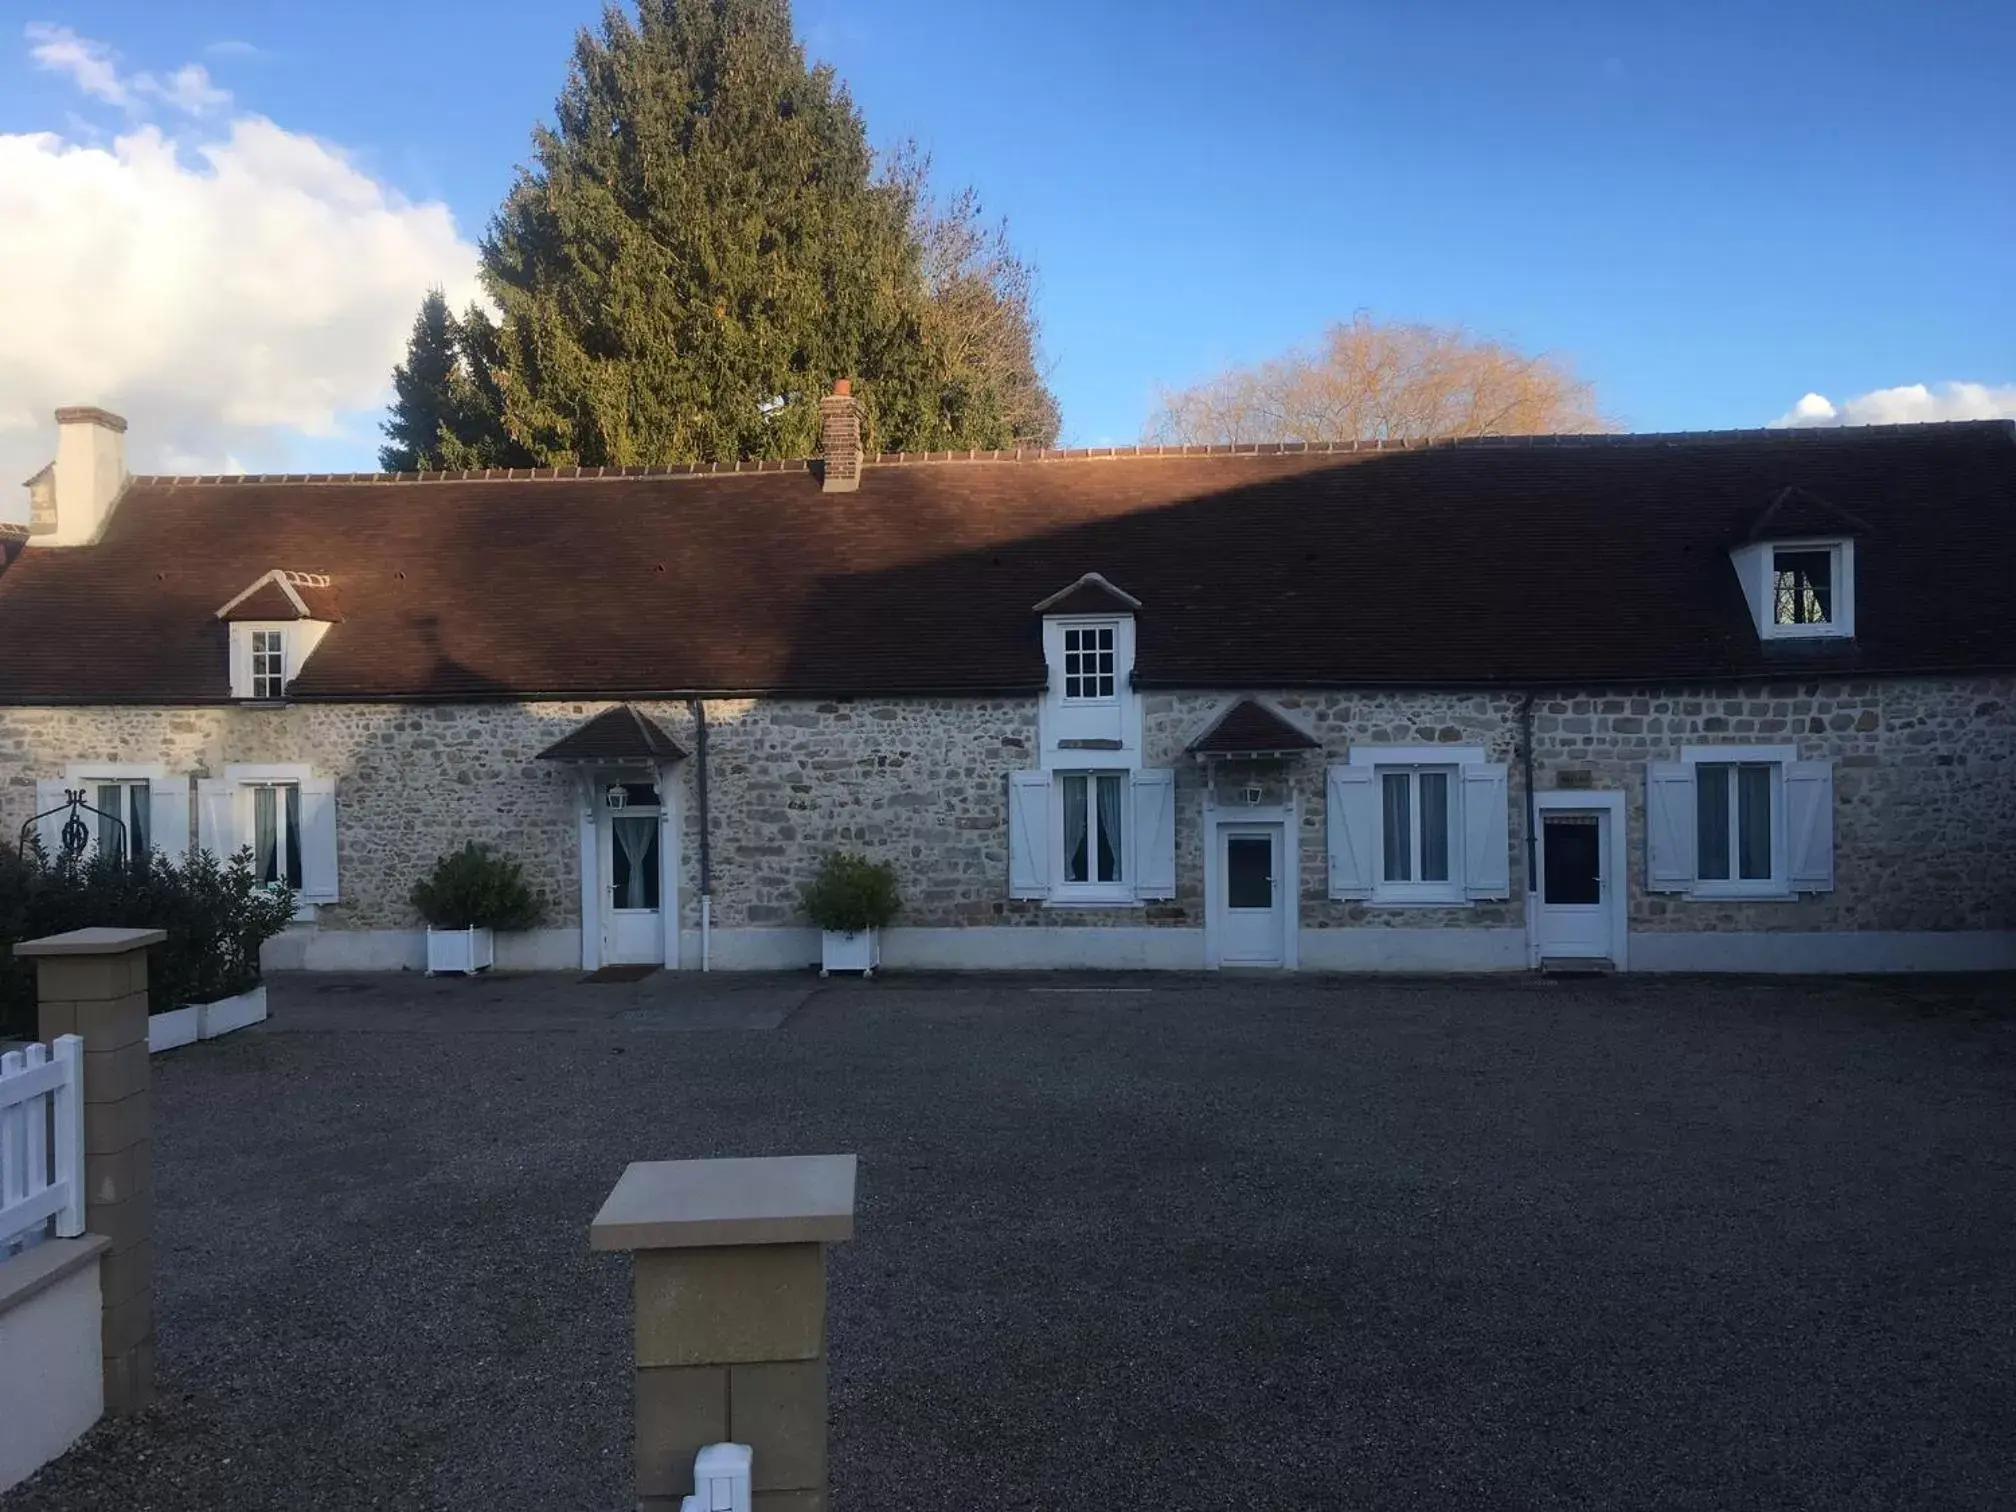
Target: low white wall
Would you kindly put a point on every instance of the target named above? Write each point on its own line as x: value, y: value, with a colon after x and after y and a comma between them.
x: 303, y: 947
x: 986, y: 948
x: 52, y: 1383
x: 1413, y: 950
x: 1823, y: 953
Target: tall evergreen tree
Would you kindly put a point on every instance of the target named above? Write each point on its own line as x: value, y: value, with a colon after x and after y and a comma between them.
x: 700, y: 247
x: 449, y: 409
x: 422, y: 383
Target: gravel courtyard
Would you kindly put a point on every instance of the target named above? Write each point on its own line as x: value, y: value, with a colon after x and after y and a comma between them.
x: 1123, y: 1243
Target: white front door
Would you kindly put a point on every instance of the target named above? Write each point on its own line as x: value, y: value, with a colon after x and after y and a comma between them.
x: 1575, y: 884
x: 1253, y: 912
x: 632, y: 928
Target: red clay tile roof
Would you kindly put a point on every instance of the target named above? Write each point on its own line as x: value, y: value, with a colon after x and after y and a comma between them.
x: 618, y: 734
x: 1250, y: 728
x: 1538, y: 562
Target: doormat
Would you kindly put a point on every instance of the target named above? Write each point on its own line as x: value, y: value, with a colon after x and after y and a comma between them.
x: 620, y: 974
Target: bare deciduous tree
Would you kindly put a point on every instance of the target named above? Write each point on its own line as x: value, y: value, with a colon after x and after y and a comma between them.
x: 1368, y: 381
x: 981, y: 318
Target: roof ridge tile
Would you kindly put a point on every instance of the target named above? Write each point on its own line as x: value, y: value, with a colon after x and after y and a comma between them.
x: 568, y: 472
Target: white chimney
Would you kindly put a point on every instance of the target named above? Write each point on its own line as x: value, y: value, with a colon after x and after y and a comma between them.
x: 71, y: 500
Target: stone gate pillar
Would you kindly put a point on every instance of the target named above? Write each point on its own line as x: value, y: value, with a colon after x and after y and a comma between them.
x: 93, y: 983
x: 729, y: 1278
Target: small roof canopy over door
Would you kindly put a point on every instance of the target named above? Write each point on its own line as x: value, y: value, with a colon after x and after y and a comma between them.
x: 617, y: 735
x: 1249, y: 731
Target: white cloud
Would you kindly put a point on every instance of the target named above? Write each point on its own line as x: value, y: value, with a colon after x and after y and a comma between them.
x: 94, y: 68
x: 234, y: 293
x: 89, y: 64
x: 188, y: 89
x: 1907, y: 404
x: 231, y: 47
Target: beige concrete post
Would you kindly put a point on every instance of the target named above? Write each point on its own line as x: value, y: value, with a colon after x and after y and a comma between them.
x: 93, y: 983
x: 730, y: 1293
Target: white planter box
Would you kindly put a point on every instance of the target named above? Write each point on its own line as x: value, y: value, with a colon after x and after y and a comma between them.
x: 842, y: 951
x: 174, y: 1029
x: 465, y: 950
x: 226, y: 1014
x: 185, y: 1026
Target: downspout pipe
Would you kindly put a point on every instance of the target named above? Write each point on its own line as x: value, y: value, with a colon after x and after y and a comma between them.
x: 699, y: 711
x: 1532, y: 806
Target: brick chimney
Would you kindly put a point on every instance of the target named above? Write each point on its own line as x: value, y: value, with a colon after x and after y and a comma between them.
x: 70, y: 500
x: 840, y: 439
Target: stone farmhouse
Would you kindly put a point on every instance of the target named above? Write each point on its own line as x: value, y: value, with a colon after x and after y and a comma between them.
x: 1739, y: 700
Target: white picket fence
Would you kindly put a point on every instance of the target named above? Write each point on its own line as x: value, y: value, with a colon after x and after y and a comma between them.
x: 41, y: 1143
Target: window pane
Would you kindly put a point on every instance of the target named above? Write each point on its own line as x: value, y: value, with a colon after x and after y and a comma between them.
x: 1753, y: 844
x: 111, y: 839
x: 1397, y: 795
x: 1249, y: 863
x: 633, y: 863
x: 293, y: 837
x: 266, y: 834
x: 1077, y: 832
x: 1711, y: 816
x: 1111, y: 791
x: 1803, y: 583
x: 1571, y: 868
x: 1434, y: 826
x: 139, y: 819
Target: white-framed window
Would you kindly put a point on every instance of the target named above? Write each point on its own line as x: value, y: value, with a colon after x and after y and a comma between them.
x: 269, y: 664
x: 1418, y: 825
x: 125, y: 818
x: 1736, y: 831
x: 1802, y: 586
x: 284, y: 815
x: 1799, y: 589
x: 1740, y: 822
x: 1090, y: 663
x: 151, y: 808
x: 1091, y: 809
x: 1416, y: 818
x: 276, y: 833
x: 1099, y: 836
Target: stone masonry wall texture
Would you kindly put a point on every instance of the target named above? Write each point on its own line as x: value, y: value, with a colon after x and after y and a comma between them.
x: 1925, y: 773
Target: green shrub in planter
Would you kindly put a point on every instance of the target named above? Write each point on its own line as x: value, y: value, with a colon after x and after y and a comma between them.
x: 476, y: 888
x: 216, y: 913
x: 851, y: 893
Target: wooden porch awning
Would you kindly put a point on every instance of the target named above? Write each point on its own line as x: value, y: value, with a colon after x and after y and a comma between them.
x: 618, y: 734
x: 1248, y: 729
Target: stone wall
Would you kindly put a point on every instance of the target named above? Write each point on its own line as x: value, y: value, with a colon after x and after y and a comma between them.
x: 1925, y: 785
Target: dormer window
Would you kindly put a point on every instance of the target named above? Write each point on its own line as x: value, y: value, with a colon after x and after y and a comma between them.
x: 274, y: 627
x: 269, y: 664
x: 1089, y: 663
x: 1795, y: 560
x: 1802, y: 587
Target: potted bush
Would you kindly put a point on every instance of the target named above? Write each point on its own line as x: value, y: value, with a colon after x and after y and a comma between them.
x: 468, y: 896
x: 851, y: 900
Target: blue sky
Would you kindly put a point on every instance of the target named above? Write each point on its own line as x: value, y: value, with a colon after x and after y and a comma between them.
x: 1712, y: 209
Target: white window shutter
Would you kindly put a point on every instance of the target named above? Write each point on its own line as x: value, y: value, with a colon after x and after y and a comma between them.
x: 240, y: 661
x: 1028, y: 834
x: 52, y: 793
x: 168, y: 798
x: 217, y: 818
x: 1809, y: 825
x: 1669, y: 826
x: 1353, y: 828
x: 318, y: 839
x: 1155, y: 834
x: 1487, y: 831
